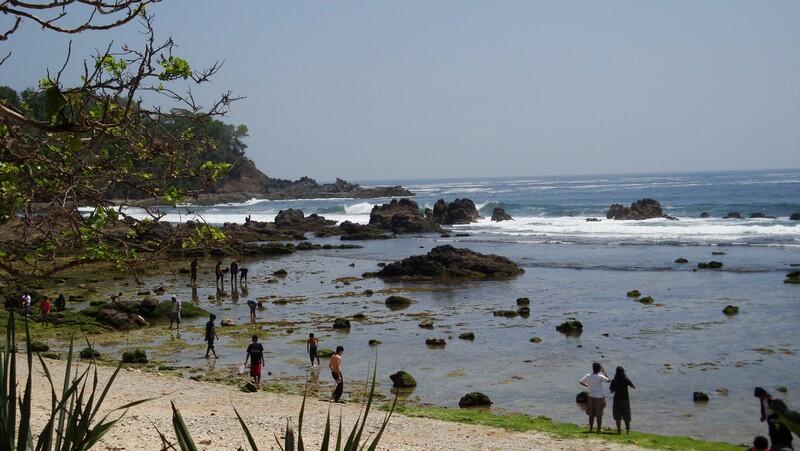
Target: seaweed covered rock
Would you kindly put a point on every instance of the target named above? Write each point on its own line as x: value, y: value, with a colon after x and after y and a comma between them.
x: 645, y: 300
x: 709, y: 265
x: 446, y: 262
x: 341, y: 323
x: 699, y: 396
x: 524, y: 311
x: 89, y: 353
x: 474, y: 399
x: 639, y: 210
x: 730, y: 310
x: 793, y: 277
x: 505, y: 313
x: 536, y: 340
x: 137, y: 355
x: 523, y: 301
x: 499, y: 214
x: 426, y: 323
x: 353, y: 231
x: 571, y: 327
x: 402, y: 379
x: 398, y: 302
x: 435, y: 342
x: 374, y: 342
x: 402, y: 216
x: 681, y: 261
x: 38, y: 346
x: 460, y: 211
x: 634, y: 294
x: 467, y: 336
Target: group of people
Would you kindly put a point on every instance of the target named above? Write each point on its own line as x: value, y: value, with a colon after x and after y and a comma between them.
x: 780, y: 437
x: 237, y: 273
x: 44, y: 305
x: 254, y: 355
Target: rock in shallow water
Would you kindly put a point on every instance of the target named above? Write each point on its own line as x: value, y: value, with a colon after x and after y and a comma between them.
x: 639, y: 210
x: 447, y: 262
x: 474, y: 399
x: 571, y: 327
x: 499, y: 214
x: 710, y: 265
x: 731, y: 310
x: 402, y: 379
x: 699, y: 396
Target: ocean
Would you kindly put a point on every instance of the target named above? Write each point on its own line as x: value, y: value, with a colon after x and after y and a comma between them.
x: 680, y: 344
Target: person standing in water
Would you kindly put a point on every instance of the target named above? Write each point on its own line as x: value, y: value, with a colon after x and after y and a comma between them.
x: 234, y: 273
x: 597, y: 396
x: 211, y: 335
x: 255, y: 353
x: 622, y: 404
x: 45, y: 306
x: 193, y: 270
x: 311, y: 346
x: 218, y: 272
x: 336, y: 371
x: 175, y: 313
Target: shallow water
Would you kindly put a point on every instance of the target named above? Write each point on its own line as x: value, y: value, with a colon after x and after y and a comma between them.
x: 680, y: 344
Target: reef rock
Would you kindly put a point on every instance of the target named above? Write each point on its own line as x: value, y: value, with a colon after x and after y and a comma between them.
x: 402, y: 216
x: 571, y: 327
x: 641, y: 209
x: 474, y: 399
x: 794, y: 217
x: 446, y: 262
x: 402, y: 379
x: 499, y: 214
x: 733, y: 215
x: 460, y: 211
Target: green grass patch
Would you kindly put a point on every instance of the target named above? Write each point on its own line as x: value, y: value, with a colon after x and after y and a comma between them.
x: 525, y: 423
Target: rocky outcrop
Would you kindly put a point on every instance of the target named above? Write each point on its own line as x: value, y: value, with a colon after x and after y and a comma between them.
x: 571, y: 327
x: 398, y: 302
x: 447, y: 262
x: 705, y: 215
x: 794, y: 217
x: 793, y: 278
x: 639, y: 210
x: 709, y: 265
x: 296, y: 220
x: 699, y: 396
x: 474, y: 399
x: 460, y: 211
x: 354, y: 231
x: 402, y: 379
x: 435, y: 342
x: 733, y: 215
x: 402, y: 216
x: 341, y: 323
x: 499, y: 214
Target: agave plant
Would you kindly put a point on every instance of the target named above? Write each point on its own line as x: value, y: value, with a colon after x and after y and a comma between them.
x: 292, y: 441
x: 73, y: 423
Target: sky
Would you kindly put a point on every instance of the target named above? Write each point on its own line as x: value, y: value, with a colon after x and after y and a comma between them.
x: 371, y: 90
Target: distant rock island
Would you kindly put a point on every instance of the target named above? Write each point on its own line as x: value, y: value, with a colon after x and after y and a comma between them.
x: 248, y: 182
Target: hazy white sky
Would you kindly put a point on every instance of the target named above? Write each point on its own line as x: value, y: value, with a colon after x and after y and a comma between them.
x: 419, y: 89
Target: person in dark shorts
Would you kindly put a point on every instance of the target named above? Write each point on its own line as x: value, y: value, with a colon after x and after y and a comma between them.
x: 61, y: 302
x: 243, y: 275
x: 193, y: 270
x: 255, y: 353
x: 234, y: 273
x: 175, y: 313
x: 211, y: 335
x: 597, y: 396
x: 622, y: 404
x: 218, y: 272
x: 311, y: 346
x: 251, y: 304
x: 779, y: 435
x: 336, y: 371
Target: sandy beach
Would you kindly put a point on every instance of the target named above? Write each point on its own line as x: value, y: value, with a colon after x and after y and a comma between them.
x: 207, y: 410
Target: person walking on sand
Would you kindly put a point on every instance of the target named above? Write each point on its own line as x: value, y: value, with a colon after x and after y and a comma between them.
x: 311, y: 346
x: 597, y: 396
x: 622, y: 404
x: 234, y: 273
x: 336, y: 371
x: 193, y: 270
x: 175, y: 313
x: 45, y: 306
x: 779, y: 435
x: 211, y: 335
x: 255, y: 353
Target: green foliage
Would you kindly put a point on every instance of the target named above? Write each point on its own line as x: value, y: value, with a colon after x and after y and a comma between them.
x: 137, y: 355
x: 73, y: 422
x: 174, y: 68
x: 202, y: 236
x: 294, y: 441
x: 525, y: 423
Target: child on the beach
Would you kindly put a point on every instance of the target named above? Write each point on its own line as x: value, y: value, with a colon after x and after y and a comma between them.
x: 211, y: 335
x: 311, y: 346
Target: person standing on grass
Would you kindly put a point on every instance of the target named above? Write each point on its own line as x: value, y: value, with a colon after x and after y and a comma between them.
x: 597, y: 395
x: 779, y: 435
x: 175, y: 313
x: 311, y: 346
x: 336, y: 371
x: 45, y: 306
x: 211, y: 335
x: 255, y: 353
x: 622, y: 405
x: 193, y: 270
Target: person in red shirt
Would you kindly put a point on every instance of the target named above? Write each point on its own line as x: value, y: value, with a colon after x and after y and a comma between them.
x: 45, y: 306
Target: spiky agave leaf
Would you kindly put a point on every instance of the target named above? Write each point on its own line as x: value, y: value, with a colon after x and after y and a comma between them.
x: 246, y: 430
x: 181, y: 431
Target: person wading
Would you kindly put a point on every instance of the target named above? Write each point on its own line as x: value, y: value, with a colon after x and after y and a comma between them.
x: 336, y: 371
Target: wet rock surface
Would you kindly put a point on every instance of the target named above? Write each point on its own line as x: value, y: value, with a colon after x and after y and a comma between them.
x: 447, y: 262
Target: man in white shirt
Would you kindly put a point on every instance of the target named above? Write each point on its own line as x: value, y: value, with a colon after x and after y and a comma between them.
x: 597, y: 394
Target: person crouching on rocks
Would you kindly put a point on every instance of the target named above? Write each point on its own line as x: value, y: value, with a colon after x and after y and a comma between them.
x: 597, y: 395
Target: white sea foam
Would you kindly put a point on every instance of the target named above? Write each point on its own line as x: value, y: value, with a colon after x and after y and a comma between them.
x: 359, y: 208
